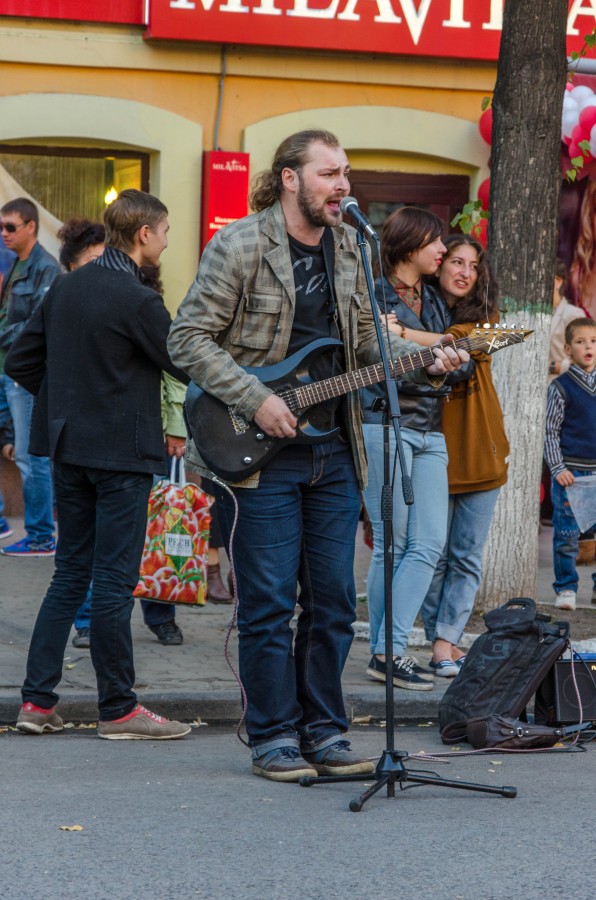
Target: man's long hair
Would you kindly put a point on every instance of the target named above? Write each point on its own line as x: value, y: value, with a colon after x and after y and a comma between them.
x: 291, y: 154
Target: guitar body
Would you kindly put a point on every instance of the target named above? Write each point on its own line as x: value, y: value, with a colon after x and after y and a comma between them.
x: 234, y: 448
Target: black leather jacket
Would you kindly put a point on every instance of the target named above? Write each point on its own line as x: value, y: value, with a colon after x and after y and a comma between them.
x: 421, y: 404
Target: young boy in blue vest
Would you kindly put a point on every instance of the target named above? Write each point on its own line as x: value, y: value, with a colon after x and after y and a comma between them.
x: 570, y: 450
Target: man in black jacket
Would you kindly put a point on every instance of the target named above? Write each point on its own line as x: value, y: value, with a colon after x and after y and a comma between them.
x: 93, y: 355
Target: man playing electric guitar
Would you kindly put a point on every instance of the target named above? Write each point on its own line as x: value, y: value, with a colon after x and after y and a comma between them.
x: 267, y: 286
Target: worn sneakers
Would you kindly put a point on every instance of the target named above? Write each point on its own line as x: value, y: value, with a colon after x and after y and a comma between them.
x: 407, y: 673
x: 141, y: 725
x: 5, y: 529
x: 27, y: 547
x: 565, y: 600
x: 168, y: 634
x: 445, y: 668
x: 282, y: 764
x: 35, y: 720
x: 338, y: 759
x: 82, y: 639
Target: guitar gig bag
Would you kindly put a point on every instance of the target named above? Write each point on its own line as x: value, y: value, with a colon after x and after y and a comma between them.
x: 505, y: 667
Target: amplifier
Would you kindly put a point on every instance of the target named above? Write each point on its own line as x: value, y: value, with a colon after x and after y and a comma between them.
x: 566, y: 702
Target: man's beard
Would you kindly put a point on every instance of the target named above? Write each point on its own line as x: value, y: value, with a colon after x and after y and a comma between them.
x: 316, y: 216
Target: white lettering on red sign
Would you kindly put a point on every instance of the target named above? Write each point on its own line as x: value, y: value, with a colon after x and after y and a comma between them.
x: 419, y: 18
x: 232, y: 165
x: 578, y: 9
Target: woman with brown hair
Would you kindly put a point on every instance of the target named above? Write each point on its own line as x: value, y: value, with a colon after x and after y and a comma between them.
x: 411, y: 249
x: 478, y: 449
x: 582, y: 273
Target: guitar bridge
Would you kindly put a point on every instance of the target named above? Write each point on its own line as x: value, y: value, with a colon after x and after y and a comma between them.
x: 239, y: 423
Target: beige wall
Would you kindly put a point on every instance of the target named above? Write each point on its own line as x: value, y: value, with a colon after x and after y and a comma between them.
x: 105, y: 86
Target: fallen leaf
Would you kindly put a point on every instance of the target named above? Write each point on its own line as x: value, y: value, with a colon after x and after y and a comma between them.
x: 496, y: 762
x: 492, y: 770
x: 71, y: 828
x: 71, y: 666
x: 362, y: 720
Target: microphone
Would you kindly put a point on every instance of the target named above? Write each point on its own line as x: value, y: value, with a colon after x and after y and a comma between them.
x: 350, y: 205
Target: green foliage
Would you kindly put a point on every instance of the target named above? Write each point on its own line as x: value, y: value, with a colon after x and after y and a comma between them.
x: 469, y: 219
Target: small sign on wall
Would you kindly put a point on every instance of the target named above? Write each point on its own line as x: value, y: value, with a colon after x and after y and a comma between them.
x: 225, y: 190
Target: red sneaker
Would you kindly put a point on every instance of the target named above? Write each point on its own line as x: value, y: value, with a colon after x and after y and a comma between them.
x: 141, y: 725
x: 35, y: 720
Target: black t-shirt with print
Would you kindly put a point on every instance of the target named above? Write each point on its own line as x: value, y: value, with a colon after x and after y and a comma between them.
x: 314, y: 317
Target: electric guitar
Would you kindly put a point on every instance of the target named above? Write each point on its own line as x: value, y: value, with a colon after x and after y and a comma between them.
x: 234, y: 448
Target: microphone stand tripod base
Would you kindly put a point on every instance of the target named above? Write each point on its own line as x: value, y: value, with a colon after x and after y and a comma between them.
x: 390, y: 769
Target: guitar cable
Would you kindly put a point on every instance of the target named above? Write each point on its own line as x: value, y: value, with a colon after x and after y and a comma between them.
x: 234, y: 616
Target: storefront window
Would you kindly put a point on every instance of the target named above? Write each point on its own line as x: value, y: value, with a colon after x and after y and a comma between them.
x: 379, y: 193
x: 70, y: 182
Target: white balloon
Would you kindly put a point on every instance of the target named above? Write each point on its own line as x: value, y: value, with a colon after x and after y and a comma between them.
x: 589, y: 101
x: 568, y: 123
x: 581, y: 92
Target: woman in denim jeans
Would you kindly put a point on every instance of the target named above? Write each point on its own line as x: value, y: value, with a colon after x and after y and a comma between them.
x: 478, y: 449
x: 411, y: 248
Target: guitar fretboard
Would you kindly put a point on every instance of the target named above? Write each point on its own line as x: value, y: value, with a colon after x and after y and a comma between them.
x: 309, y: 394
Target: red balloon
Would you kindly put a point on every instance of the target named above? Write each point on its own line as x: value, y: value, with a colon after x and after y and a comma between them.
x: 574, y: 150
x: 483, y: 193
x: 485, y: 125
x: 480, y: 231
x: 587, y: 120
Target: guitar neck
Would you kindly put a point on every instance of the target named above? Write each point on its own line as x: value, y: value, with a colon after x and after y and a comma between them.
x: 338, y: 385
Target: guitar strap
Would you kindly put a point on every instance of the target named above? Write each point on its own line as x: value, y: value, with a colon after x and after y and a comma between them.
x: 328, y: 247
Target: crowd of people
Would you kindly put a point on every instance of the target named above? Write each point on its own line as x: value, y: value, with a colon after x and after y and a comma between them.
x: 267, y: 287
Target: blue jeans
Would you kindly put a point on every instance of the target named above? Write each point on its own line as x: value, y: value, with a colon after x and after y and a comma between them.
x: 36, y: 472
x: 565, y: 538
x: 298, y: 527
x: 419, y: 531
x: 102, y: 517
x: 450, y: 598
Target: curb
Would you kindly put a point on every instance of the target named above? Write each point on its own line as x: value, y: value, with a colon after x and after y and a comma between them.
x: 224, y: 707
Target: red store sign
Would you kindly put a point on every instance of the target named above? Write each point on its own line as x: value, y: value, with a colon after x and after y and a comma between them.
x: 463, y: 29
x: 225, y: 190
x: 128, y: 12
x: 466, y: 29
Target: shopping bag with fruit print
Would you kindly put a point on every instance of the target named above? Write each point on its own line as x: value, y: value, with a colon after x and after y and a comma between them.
x: 174, y: 563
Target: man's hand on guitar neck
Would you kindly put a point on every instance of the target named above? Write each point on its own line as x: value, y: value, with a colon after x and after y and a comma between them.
x: 448, y: 359
x: 275, y: 418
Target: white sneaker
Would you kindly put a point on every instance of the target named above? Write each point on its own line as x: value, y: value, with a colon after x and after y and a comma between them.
x: 565, y: 600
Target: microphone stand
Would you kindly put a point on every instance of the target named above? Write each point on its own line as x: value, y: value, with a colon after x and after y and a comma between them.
x: 390, y: 768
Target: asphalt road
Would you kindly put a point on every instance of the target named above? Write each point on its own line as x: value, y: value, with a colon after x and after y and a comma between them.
x: 186, y: 819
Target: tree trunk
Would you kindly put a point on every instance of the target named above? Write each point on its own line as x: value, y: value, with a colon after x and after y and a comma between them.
x: 523, y: 225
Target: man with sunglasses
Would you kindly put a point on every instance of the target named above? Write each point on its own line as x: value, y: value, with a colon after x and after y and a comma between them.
x: 23, y: 289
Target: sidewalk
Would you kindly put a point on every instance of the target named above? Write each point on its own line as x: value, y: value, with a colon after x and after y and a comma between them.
x: 194, y: 680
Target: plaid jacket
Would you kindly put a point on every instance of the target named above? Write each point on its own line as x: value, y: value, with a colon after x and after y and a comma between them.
x: 239, y: 312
